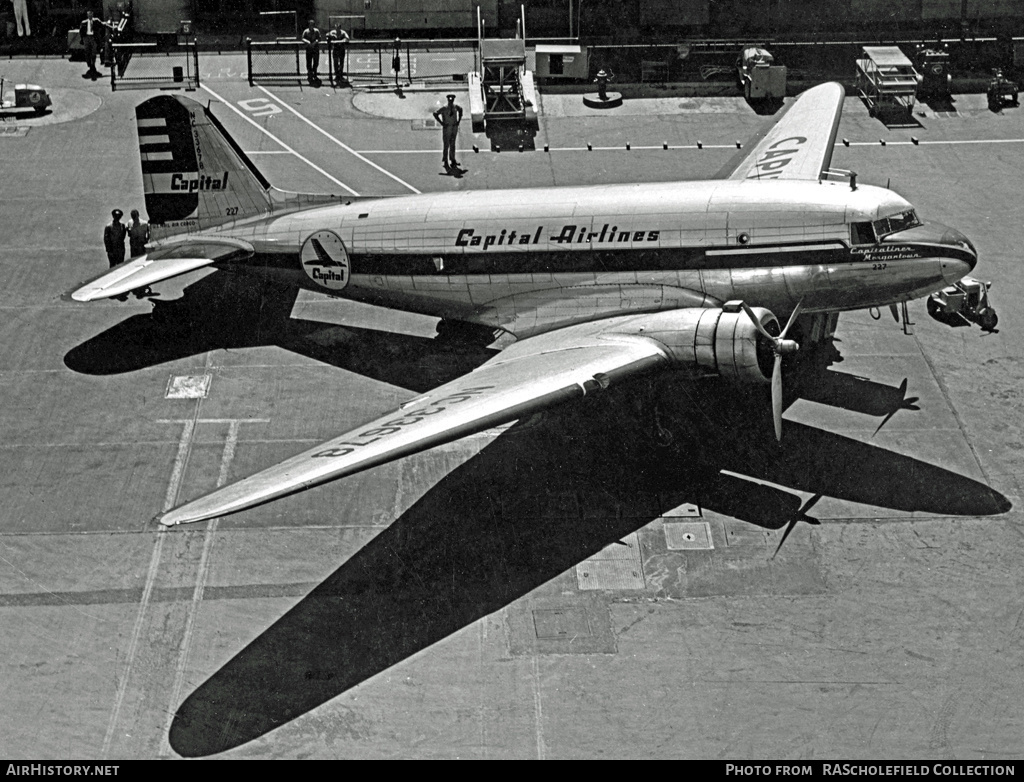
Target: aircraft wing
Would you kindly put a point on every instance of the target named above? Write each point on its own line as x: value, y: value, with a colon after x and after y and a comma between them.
x: 799, y: 145
x: 160, y: 264
x: 528, y: 376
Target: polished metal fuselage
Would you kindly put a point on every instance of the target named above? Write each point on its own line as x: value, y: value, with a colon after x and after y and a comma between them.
x: 494, y: 256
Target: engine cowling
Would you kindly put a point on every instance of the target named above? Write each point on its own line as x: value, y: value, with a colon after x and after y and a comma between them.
x: 741, y: 352
x: 720, y: 341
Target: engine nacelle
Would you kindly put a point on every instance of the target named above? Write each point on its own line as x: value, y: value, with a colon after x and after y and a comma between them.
x: 720, y: 341
x: 741, y: 352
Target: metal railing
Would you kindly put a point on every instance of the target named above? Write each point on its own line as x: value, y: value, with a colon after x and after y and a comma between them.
x: 364, y: 61
x: 152, y: 66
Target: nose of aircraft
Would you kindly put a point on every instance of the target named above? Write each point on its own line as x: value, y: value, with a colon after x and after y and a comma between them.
x: 960, y: 255
x: 957, y: 264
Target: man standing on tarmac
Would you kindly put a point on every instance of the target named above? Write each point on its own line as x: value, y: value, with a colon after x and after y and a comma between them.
x: 91, y: 29
x: 138, y: 235
x: 113, y: 238
x: 339, y: 42
x: 311, y: 36
x: 449, y: 118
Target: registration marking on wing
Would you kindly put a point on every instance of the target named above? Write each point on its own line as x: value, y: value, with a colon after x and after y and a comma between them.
x: 382, y: 429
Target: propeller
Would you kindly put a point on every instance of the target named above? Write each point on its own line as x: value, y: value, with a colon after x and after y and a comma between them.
x: 780, y: 347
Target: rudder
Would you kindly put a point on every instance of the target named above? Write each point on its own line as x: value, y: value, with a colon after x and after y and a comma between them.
x: 194, y: 175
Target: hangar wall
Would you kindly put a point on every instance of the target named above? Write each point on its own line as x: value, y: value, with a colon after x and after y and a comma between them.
x: 409, y: 14
x: 160, y: 16
x: 607, y: 18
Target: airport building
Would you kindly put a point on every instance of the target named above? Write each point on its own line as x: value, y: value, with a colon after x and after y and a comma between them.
x: 596, y: 19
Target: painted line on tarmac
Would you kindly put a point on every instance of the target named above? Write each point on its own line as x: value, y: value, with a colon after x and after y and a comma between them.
x: 538, y: 712
x: 923, y: 142
x: 177, y: 472
x: 266, y: 132
x: 202, y: 576
x: 344, y: 146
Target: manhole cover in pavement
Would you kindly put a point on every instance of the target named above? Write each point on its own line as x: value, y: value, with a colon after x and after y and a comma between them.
x: 560, y: 623
x: 682, y: 535
x: 188, y: 387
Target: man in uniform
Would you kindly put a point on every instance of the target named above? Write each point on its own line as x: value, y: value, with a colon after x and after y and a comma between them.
x: 339, y: 41
x: 113, y: 238
x: 311, y: 36
x: 449, y: 117
x: 91, y: 29
x: 138, y: 235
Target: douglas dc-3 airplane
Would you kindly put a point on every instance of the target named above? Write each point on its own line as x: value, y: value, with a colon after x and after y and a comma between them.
x: 588, y: 285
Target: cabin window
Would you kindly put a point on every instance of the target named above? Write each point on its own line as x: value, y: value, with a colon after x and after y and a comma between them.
x: 862, y: 233
x: 897, y: 222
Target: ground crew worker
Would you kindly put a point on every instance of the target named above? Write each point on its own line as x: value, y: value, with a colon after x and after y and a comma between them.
x: 311, y: 36
x: 113, y: 238
x: 21, y: 17
x: 339, y: 43
x: 90, y: 30
x: 449, y: 118
x: 138, y: 235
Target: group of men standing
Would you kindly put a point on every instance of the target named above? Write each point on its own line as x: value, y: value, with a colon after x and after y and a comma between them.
x: 338, y: 40
x: 98, y: 35
x: 114, y: 233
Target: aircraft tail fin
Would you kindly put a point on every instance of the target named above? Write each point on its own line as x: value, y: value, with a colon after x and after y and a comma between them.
x: 194, y: 174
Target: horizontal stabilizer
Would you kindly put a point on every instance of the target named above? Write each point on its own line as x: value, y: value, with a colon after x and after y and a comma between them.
x: 162, y: 263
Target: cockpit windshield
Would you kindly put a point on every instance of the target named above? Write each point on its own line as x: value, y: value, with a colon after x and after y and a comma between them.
x: 896, y: 222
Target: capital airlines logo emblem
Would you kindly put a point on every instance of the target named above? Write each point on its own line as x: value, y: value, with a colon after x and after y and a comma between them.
x: 325, y: 260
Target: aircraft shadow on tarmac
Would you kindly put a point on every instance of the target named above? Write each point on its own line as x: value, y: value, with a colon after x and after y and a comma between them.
x: 499, y: 526
x: 224, y: 311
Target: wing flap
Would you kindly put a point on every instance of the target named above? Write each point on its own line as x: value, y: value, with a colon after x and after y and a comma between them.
x: 160, y: 264
x: 523, y: 379
x: 799, y: 145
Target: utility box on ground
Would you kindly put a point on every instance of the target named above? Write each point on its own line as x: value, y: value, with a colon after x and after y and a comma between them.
x: 558, y: 62
x: 759, y: 77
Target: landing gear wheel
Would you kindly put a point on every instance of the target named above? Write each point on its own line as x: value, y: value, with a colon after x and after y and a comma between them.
x: 988, y: 319
x: 933, y: 307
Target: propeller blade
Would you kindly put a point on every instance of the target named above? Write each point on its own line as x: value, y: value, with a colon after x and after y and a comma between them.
x: 792, y: 318
x: 756, y: 322
x: 895, y: 312
x: 777, y: 396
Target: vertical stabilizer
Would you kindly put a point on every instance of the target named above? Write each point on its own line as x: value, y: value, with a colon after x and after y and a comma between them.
x: 193, y: 174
